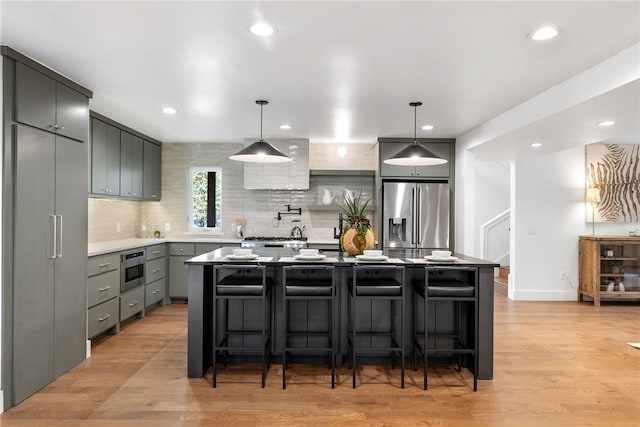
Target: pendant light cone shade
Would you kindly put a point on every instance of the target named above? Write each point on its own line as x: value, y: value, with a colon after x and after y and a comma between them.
x: 261, y: 151
x: 415, y: 154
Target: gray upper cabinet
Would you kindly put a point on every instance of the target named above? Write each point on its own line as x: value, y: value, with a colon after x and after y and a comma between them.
x: 151, y: 180
x: 130, y: 165
x: 105, y: 158
x: 46, y: 104
x: 444, y: 148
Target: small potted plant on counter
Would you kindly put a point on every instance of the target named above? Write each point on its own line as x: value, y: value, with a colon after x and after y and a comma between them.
x: 358, y: 235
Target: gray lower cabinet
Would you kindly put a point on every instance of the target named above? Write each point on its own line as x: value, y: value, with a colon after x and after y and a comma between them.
x: 103, y: 292
x: 178, y: 273
x: 155, y: 273
x: 151, y: 180
x: 132, y: 303
x: 103, y: 317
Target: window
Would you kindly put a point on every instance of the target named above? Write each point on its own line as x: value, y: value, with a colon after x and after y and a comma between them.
x: 204, y: 194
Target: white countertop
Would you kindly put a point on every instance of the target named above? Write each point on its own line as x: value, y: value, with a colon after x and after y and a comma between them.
x: 99, y: 248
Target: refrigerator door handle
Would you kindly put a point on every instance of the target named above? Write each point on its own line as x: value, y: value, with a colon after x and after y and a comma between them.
x: 413, y: 229
x: 418, y: 215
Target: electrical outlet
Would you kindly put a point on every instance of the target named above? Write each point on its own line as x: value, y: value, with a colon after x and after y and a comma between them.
x: 117, y: 227
x: 563, y: 275
x: 167, y: 227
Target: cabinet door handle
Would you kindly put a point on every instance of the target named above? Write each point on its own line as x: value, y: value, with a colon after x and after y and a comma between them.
x: 55, y: 236
x: 106, y: 264
x: 156, y: 252
x: 153, y: 196
x: 181, y: 250
x: 133, y: 304
x: 155, y: 271
x: 156, y: 292
x: 59, y: 255
x: 103, y: 318
x: 106, y: 288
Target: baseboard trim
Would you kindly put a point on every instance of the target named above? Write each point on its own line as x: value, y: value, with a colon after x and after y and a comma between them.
x: 545, y: 295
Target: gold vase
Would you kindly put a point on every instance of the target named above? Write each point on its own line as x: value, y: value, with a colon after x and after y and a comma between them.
x: 354, y: 243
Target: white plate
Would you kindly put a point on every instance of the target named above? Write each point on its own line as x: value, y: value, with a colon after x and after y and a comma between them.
x: 250, y: 256
x: 372, y: 258
x: 310, y: 257
x: 441, y: 259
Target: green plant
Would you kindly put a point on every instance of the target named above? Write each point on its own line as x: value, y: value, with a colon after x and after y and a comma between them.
x: 615, y: 263
x: 354, y: 210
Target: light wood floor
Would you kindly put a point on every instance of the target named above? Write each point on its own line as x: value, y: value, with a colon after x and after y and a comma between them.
x: 556, y: 364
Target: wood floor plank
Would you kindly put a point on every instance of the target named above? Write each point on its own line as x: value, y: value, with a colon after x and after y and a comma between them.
x: 555, y: 364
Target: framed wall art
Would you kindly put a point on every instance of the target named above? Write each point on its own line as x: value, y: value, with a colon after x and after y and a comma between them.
x: 615, y: 170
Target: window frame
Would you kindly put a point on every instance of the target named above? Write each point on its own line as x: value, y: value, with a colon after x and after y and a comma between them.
x: 191, y: 228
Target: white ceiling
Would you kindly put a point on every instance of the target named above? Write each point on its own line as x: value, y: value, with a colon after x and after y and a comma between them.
x: 336, y: 71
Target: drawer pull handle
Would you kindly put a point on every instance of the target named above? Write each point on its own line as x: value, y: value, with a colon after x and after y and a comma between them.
x: 106, y: 264
x: 156, y: 292
x: 181, y: 250
x: 133, y: 304
x: 102, y: 319
x: 156, y: 252
x: 106, y: 288
x: 155, y: 271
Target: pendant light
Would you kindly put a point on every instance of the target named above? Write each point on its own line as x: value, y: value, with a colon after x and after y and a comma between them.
x: 415, y: 154
x: 261, y: 151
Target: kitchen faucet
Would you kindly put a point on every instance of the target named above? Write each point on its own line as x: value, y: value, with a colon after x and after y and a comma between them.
x: 296, y: 231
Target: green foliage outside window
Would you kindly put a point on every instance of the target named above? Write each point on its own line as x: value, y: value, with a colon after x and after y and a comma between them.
x: 205, y: 192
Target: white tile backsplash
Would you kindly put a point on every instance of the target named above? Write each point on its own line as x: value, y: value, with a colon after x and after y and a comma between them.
x: 259, y: 207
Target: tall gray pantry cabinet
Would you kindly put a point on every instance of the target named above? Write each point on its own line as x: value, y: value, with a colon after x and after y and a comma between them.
x: 45, y: 134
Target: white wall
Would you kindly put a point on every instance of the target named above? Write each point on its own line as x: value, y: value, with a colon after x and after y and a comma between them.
x: 491, y: 197
x: 548, y: 216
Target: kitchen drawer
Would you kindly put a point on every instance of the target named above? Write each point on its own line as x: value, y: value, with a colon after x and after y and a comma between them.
x: 131, y: 302
x: 102, y: 317
x: 103, y: 287
x: 155, y: 292
x: 203, y: 248
x: 155, y: 269
x: 182, y: 249
x: 103, y: 263
x: 156, y: 251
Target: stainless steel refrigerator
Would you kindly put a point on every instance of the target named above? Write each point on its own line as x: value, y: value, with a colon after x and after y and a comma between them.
x: 415, y: 215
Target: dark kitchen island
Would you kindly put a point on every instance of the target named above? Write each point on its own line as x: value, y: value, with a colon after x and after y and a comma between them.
x: 200, y: 300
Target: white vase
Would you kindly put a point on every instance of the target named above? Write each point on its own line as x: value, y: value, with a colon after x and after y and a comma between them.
x: 610, y: 287
x: 621, y: 287
x: 327, y: 197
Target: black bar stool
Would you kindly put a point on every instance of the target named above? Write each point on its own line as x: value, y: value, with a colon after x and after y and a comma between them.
x: 246, y: 283
x: 375, y: 282
x: 312, y: 284
x: 459, y: 286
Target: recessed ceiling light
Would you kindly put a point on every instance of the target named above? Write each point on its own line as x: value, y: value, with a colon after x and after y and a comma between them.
x: 536, y: 144
x: 169, y: 110
x: 285, y: 126
x: 261, y: 29
x: 606, y: 123
x: 545, y: 33
x: 427, y: 127
x: 342, y: 151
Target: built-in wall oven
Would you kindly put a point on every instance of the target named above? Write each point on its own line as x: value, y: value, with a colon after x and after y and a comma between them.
x: 131, y: 269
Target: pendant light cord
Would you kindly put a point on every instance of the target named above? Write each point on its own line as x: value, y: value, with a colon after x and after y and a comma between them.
x: 415, y: 121
x: 261, y: 122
